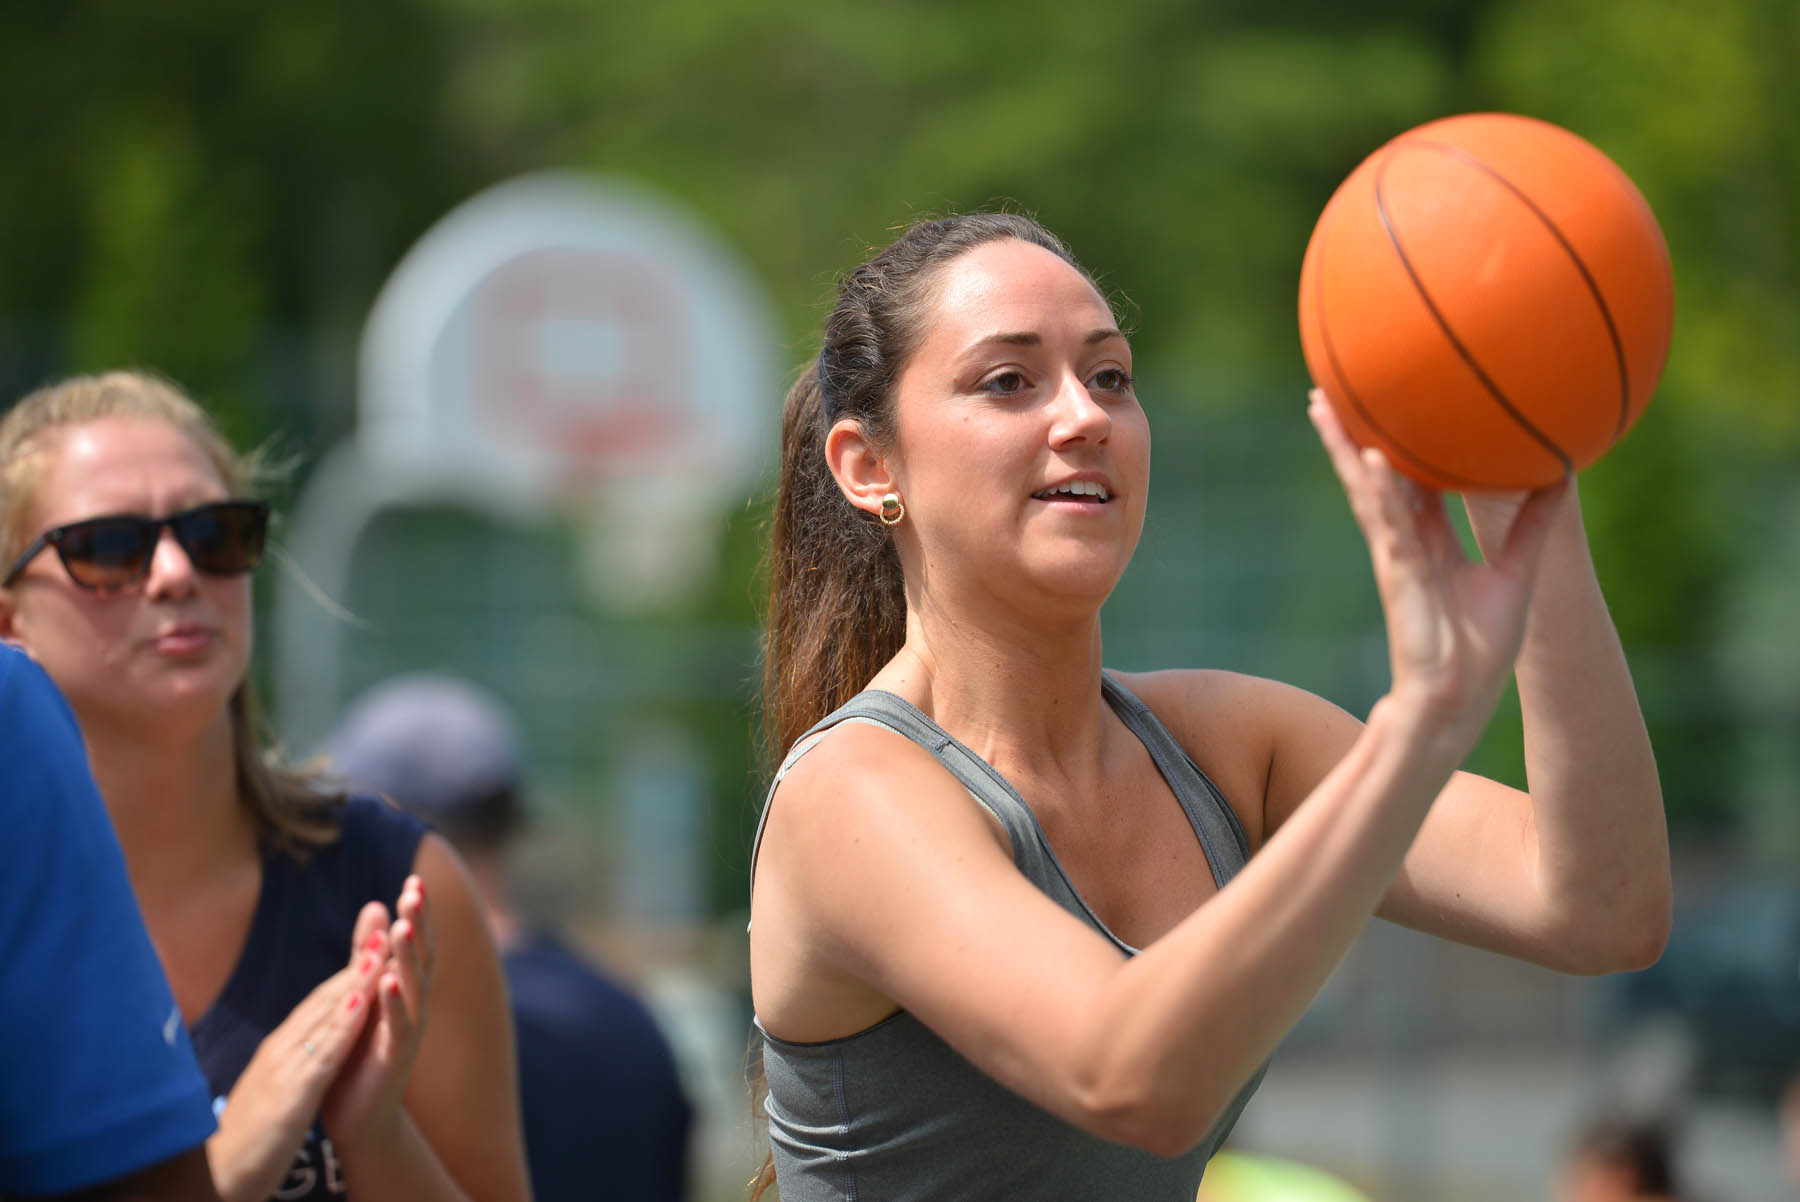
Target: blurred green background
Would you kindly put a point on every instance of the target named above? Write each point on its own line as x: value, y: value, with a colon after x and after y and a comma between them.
x: 218, y: 190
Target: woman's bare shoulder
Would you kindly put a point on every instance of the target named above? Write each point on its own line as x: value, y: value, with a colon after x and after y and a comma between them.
x: 1215, y: 700
x: 861, y: 776
x: 864, y: 818
x: 1232, y: 724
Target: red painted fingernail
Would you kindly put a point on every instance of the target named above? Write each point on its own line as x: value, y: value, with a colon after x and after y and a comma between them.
x: 353, y: 1003
x: 373, y: 941
x: 368, y: 963
x: 393, y: 986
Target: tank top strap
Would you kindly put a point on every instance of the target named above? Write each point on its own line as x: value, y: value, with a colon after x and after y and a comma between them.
x: 1216, y: 824
x: 879, y: 708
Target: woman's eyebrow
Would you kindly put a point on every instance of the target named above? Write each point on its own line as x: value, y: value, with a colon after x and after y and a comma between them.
x: 1031, y: 338
x: 1021, y: 338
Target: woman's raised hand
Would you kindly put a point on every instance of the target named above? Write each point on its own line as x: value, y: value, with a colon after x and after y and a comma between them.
x: 1454, y: 625
x: 273, y: 1103
x: 365, y: 1099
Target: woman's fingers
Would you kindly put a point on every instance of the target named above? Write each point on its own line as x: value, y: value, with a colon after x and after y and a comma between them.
x: 1346, y: 460
x: 407, y: 967
x: 371, y: 926
x: 1399, y: 517
x: 1530, y: 528
x: 358, y: 976
x: 332, y: 1017
x: 398, y: 1016
x: 1364, y: 472
x: 412, y: 958
x: 1399, y: 502
x: 413, y: 908
x: 332, y: 1038
x: 373, y: 947
x: 274, y: 1099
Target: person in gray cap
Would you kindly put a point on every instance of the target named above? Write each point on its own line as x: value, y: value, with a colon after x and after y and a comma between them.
x: 599, y: 1094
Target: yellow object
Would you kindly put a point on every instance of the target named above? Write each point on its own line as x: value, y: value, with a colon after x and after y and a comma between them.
x: 1240, y: 1177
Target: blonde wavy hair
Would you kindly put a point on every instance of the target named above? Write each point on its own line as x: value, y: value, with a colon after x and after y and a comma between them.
x: 296, y: 808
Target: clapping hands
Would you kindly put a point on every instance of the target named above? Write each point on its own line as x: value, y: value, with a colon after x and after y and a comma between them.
x: 366, y: 1094
x: 345, y: 1051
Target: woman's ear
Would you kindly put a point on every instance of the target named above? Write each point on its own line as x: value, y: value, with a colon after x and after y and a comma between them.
x: 861, y: 471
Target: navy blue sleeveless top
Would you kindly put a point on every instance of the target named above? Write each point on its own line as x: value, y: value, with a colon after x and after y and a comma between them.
x: 300, y: 935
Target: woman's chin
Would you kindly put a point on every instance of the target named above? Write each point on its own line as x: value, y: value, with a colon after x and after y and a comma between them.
x: 1079, y: 585
x: 188, y: 696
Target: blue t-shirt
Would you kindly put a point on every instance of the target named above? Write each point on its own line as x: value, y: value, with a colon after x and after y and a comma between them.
x: 299, y: 935
x: 97, y: 1078
x: 602, y: 1106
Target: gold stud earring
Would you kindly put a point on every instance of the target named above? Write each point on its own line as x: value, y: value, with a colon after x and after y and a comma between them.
x: 892, y: 511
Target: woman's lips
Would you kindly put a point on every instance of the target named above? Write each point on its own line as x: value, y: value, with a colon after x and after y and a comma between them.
x: 183, y: 641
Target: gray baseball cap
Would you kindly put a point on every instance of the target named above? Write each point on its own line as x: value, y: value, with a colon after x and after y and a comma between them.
x: 436, y: 746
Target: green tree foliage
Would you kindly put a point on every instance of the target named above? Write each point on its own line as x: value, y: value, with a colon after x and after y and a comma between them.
x: 187, y: 183
x: 218, y: 190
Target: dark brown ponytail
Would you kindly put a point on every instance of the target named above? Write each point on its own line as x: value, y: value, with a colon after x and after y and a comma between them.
x: 837, y: 602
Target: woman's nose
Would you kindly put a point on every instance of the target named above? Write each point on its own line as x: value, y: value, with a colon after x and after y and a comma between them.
x: 171, y: 571
x: 1079, y: 417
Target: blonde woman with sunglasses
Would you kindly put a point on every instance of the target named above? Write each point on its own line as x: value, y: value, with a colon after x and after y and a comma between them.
x: 326, y: 954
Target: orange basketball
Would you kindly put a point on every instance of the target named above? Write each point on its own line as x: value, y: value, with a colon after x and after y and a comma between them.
x: 1487, y: 298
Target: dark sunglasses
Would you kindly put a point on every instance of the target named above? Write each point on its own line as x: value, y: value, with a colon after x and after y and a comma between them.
x: 221, y: 538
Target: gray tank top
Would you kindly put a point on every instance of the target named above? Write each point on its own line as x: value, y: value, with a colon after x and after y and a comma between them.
x: 893, y: 1112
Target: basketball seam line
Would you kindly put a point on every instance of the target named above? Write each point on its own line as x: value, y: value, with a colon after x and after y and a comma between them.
x: 1587, y: 277
x: 1456, y: 344
x: 1394, y: 446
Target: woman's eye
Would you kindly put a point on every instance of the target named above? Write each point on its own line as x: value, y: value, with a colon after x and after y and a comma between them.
x: 1112, y: 379
x: 1005, y: 383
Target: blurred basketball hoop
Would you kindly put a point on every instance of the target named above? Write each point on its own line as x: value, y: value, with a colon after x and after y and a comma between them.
x: 582, y: 346
x: 560, y: 345
x: 584, y: 355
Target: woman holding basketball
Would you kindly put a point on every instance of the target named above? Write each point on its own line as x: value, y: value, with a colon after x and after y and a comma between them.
x: 353, y: 1049
x: 1026, y: 928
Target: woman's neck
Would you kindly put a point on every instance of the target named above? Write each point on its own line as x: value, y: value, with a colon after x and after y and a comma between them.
x: 174, y: 802
x: 1014, y: 693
